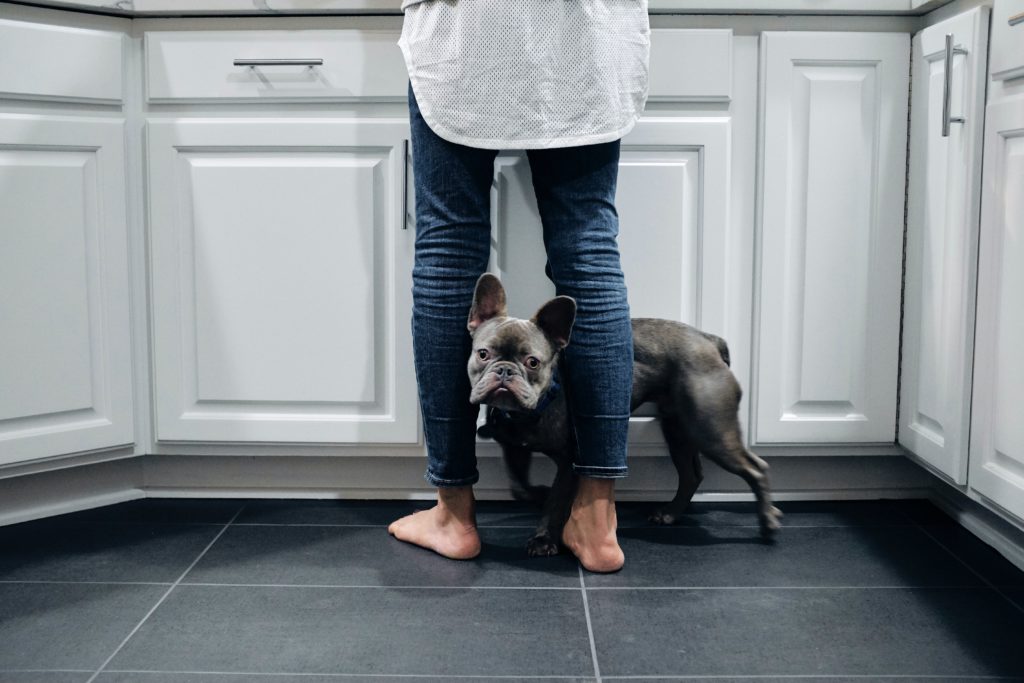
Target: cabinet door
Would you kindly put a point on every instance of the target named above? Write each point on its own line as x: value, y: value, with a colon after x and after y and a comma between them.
x: 942, y: 243
x: 65, y: 337
x: 281, y: 268
x: 831, y: 235
x: 997, y: 430
x: 672, y: 199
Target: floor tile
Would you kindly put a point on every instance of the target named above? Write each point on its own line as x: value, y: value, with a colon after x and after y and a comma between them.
x: 314, y: 512
x: 374, y: 512
x: 368, y: 556
x: 68, y: 626
x: 175, y: 510
x: 791, y: 632
x: 977, y: 554
x: 88, y: 551
x: 1015, y: 594
x: 436, y: 632
x: 922, y: 511
x: 797, y: 513
x: 809, y: 556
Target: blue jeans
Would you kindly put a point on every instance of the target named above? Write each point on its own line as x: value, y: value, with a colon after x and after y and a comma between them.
x: 575, y: 189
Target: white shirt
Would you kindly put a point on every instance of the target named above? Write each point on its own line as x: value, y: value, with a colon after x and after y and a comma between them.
x: 527, y: 74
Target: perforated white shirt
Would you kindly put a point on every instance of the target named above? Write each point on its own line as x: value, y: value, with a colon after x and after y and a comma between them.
x: 527, y: 74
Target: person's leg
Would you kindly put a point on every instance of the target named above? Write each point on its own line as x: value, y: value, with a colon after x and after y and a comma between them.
x: 452, y: 185
x: 575, y: 188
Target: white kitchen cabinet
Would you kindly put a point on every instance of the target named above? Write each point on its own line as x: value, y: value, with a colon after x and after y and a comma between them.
x: 49, y: 62
x: 1007, y: 61
x: 65, y: 339
x: 672, y: 199
x: 281, y: 276
x: 343, y: 65
x: 997, y: 430
x: 942, y: 241
x: 830, y: 232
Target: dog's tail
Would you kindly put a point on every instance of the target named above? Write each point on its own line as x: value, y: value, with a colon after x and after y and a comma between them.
x: 723, y: 348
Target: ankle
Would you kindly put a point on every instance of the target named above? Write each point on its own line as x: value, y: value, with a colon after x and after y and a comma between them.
x: 457, y: 504
x: 593, y: 495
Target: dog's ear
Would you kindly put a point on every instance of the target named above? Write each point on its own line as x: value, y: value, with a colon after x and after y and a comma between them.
x: 488, y: 301
x: 555, y: 318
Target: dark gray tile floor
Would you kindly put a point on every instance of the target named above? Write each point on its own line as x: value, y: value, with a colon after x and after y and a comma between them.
x: 191, y: 591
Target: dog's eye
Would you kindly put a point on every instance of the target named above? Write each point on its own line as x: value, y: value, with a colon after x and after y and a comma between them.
x: 532, y: 363
x: 483, y: 354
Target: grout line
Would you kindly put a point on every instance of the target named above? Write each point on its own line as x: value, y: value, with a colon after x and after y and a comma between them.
x: 754, y: 677
x: 101, y: 583
x: 479, y: 526
x: 212, y: 584
x: 777, y: 588
x: 971, y: 569
x: 164, y: 597
x: 375, y: 586
x: 923, y: 529
x: 46, y: 671
x: 590, y: 626
x: 346, y: 675
x: 843, y: 677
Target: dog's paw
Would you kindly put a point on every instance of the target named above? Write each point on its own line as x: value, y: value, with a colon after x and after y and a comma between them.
x: 771, y: 522
x: 541, y: 546
x: 662, y: 517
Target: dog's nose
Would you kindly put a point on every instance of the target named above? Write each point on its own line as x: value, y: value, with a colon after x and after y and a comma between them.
x: 504, y: 373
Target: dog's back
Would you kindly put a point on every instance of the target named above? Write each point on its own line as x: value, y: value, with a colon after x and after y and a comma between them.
x: 666, y: 352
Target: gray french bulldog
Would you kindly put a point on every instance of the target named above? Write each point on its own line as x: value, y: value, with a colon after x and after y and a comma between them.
x: 684, y: 371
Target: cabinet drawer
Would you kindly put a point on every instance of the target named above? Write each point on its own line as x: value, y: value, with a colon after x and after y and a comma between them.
x: 1007, y: 60
x: 200, y: 65
x: 690, y: 65
x: 45, y: 62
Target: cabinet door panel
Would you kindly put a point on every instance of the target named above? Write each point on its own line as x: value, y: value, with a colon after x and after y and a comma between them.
x: 834, y: 133
x: 997, y: 431
x: 281, y: 274
x: 65, y: 342
x: 942, y: 245
x: 672, y: 199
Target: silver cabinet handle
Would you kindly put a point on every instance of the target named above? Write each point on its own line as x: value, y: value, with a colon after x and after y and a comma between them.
x: 1016, y: 19
x: 279, y: 62
x: 947, y: 85
x: 405, y: 184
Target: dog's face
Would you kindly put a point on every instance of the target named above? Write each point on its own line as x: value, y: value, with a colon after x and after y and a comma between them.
x: 513, y: 359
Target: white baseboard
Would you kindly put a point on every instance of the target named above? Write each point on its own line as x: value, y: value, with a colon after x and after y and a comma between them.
x: 58, y: 492
x: 651, y: 478
x: 1004, y: 536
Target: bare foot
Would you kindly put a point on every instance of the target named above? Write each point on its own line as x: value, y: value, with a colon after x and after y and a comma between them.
x: 448, y: 528
x: 590, y: 531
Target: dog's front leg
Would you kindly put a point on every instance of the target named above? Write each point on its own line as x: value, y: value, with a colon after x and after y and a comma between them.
x: 548, y: 538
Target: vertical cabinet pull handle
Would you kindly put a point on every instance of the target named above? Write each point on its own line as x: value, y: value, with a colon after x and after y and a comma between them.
x: 947, y: 84
x: 405, y: 184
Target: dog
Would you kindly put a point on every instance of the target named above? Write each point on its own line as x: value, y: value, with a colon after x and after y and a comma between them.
x: 513, y: 370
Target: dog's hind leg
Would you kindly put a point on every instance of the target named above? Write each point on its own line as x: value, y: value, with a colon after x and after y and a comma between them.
x: 517, y: 464
x: 725, y: 447
x: 686, y: 459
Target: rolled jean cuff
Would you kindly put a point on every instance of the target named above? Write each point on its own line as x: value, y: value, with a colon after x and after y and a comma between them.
x: 450, y: 483
x: 600, y: 472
